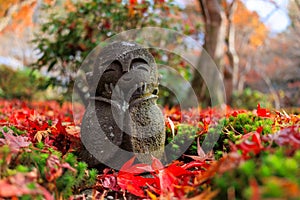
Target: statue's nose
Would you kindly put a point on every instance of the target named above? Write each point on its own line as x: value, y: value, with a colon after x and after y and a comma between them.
x: 127, y: 78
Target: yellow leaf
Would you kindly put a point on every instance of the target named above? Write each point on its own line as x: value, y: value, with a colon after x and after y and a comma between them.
x: 151, y: 195
x: 206, y: 195
x: 41, y: 134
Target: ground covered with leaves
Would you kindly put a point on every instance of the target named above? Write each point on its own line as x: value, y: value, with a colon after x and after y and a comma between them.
x: 256, y: 156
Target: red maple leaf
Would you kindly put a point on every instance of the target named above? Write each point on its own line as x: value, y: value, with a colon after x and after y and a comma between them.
x: 172, y: 180
x: 55, y: 168
x: 250, y: 143
x: 129, y: 180
x: 262, y: 112
x: 17, y: 185
x: 14, y: 142
x: 289, y: 136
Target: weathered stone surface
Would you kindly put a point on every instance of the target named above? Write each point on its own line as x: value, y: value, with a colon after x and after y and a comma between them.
x: 122, y: 118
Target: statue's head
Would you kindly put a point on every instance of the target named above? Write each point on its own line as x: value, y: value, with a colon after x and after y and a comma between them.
x: 126, y: 66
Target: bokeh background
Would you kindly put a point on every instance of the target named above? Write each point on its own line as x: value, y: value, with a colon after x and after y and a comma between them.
x: 255, y: 44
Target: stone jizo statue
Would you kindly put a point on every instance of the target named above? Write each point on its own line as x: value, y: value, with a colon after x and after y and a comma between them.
x: 122, y: 118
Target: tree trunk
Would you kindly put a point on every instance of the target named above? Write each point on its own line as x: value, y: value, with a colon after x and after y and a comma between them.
x: 231, y: 78
x: 215, y: 32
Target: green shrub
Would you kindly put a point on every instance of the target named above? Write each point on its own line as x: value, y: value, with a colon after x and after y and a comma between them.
x: 66, y: 38
x: 48, y: 163
x: 275, y: 176
x: 249, y: 98
x: 20, y: 84
x: 184, y: 134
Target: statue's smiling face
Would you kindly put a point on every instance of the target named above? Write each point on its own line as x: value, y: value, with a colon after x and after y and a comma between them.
x: 139, y: 80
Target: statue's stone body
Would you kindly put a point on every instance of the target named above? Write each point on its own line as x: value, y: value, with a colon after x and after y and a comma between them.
x: 122, y: 115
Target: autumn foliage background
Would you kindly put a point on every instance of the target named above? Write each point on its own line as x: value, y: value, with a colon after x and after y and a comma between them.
x: 257, y: 155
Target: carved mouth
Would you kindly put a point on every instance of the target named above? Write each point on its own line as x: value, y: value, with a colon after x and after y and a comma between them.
x: 140, y: 90
x: 136, y: 91
x: 109, y: 88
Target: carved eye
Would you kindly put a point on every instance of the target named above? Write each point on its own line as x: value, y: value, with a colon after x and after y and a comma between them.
x: 142, y: 67
x: 109, y: 70
x: 140, y: 64
x: 114, y: 67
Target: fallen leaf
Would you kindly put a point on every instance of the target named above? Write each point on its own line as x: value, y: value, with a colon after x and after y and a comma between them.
x: 262, y: 112
x: 14, y: 142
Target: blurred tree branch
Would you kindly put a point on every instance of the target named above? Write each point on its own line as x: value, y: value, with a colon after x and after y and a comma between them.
x: 297, y: 4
